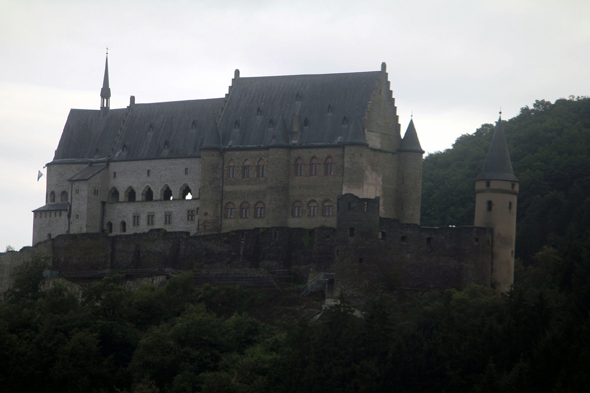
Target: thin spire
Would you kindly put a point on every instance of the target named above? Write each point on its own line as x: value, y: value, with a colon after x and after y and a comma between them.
x: 498, y: 165
x: 105, y: 92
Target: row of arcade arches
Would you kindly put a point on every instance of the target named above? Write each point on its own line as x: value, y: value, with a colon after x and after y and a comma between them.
x: 147, y: 194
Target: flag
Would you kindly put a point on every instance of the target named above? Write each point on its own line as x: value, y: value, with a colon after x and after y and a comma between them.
x: 39, y: 175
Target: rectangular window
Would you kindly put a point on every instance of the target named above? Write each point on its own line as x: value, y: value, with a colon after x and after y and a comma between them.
x: 190, y: 215
x: 114, y: 175
x: 148, y: 173
x: 150, y: 219
x: 167, y: 218
x: 261, y: 170
x: 186, y: 171
x: 230, y: 212
x: 136, y: 220
x: 95, y: 191
x: 313, y: 211
x: 328, y: 210
x: 489, y: 206
x: 77, y: 216
x: 260, y: 212
x: 231, y: 172
x: 298, y: 211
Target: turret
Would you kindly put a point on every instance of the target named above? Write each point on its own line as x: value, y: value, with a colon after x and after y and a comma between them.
x: 496, y: 190
x: 410, y: 176
x: 105, y: 92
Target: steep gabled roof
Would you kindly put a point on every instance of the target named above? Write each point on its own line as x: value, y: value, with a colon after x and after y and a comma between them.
x: 497, y: 165
x: 88, y: 172
x: 411, y: 143
x: 141, y: 131
x: 317, y: 105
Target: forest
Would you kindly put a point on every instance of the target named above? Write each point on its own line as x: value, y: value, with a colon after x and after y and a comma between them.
x: 182, y: 338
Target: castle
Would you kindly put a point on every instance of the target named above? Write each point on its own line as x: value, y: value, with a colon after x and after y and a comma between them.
x: 275, y: 152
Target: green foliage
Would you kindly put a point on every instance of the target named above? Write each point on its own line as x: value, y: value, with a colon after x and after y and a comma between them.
x: 550, y: 151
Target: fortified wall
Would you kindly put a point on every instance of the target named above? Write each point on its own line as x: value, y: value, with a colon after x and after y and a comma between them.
x: 365, y: 252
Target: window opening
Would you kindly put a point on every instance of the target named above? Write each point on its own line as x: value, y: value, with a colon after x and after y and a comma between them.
x: 261, y: 168
x: 489, y: 206
x: 231, y: 170
x: 136, y: 220
x: 64, y: 196
x: 113, y: 195
x: 167, y: 218
x: 312, y: 209
x: 166, y: 193
x: 131, y: 197
x: 109, y: 227
x: 51, y: 197
x: 245, y: 210
x: 328, y: 209
x: 297, y: 209
x: 314, y: 167
x: 186, y: 193
x: 512, y: 186
x: 95, y: 191
x: 383, y: 235
x: 150, y: 219
x: 190, y: 215
x: 509, y: 205
x: 114, y: 175
x: 259, y: 213
x: 148, y: 194
x: 186, y: 171
x: 329, y: 167
x: 230, y: 210
x: 487, y: 184
x: 246, y: 170
x: 123, y: 227
x: 148, y: 173
x: 299, y: 167
x: 366, y: 206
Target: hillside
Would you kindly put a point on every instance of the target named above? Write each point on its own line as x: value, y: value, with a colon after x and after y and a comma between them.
x: 550, y: 150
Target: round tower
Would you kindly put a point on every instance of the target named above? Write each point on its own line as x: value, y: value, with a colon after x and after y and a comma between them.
x: 496, y: 190
x: 410, y: 177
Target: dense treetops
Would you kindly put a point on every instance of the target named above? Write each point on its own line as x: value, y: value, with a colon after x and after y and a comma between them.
x: 550, y: 150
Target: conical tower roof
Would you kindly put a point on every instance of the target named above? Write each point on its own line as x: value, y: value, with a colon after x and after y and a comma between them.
x: 105, y: 92
x: 497, y: 165
x: 411, y: 143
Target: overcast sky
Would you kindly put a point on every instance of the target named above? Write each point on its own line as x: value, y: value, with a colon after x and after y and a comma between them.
x: 452, y: 63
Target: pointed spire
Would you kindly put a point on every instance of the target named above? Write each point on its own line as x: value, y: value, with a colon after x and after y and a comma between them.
x: 411, y: 143
x: 105, y: 92
x: 280, y: 137
x: 497, y: 165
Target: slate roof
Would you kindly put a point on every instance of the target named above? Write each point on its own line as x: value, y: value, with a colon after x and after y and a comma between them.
x: 497, y: 165
x: 326, y: 105
x: 411, y: 143
x: 147, y: 131
x: 52, y: 207
x: 88, y: 172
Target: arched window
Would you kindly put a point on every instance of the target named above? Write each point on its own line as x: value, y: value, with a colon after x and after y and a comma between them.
x: 231, y: 169
x: 261, y: 168
x: 123, y: 227
x: 246, y: 170
x: 166, y: 193
x: 328, y: 209
x: 314, y: 167
x: 109, y: 227
x: 299, y: 167
x: 245, y: 210
x: 113, y: 195
x: 64, y: 196
x: 312, y: 209
x: 130, y: 195
x: 230, y: 210
x: 51, y: 197
x: 185, y: 192
x: 147, y: 194
x: 297, y: 209
x: 259, y: 210
x: 329, y: 166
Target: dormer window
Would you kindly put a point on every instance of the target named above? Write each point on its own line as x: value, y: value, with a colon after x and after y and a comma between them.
x: 329, y: 109
x: 344, y: 122
x: 306, y: 123
x: 151, y: 128
x: 237, y: 125
x: 271, y: 124
x: 194, y: 125
x: 258, y: 112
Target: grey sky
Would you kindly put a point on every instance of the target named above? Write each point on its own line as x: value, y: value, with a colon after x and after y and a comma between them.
x: 453, y: 63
